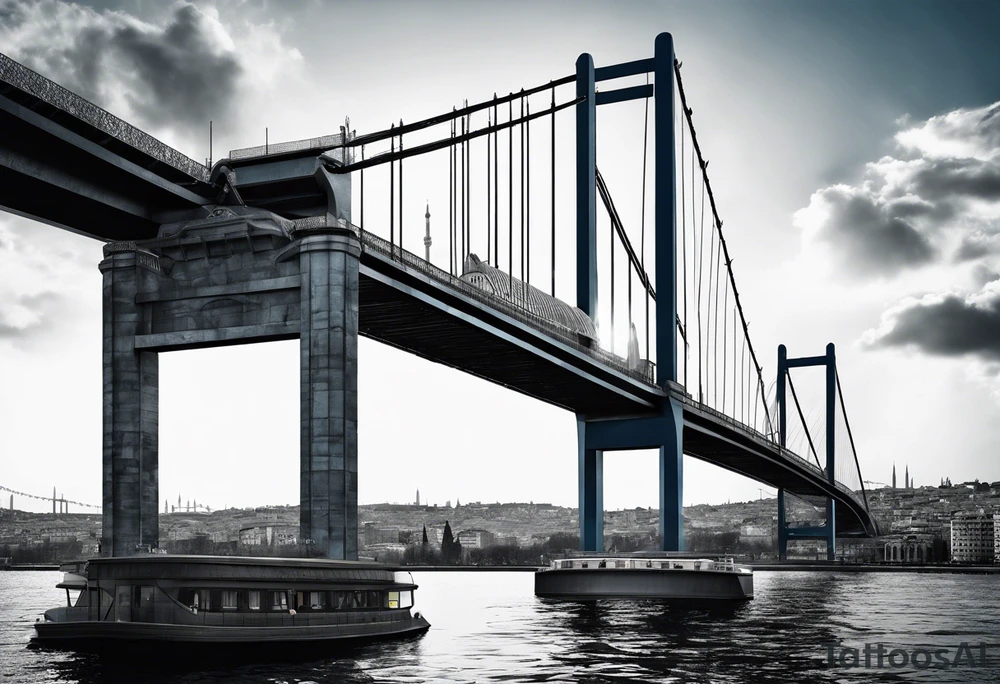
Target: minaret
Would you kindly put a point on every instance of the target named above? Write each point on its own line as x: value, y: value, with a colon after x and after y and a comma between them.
x: 893, y: 475
x: 907, y: 477
x: 53, y: 501
x: 418, y: 497
x: 427, y: 238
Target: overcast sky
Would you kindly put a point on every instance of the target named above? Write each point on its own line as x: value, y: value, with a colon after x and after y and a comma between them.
x: 855, y: 156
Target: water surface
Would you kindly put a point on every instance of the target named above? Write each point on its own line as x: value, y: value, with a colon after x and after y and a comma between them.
x: 489, y: 627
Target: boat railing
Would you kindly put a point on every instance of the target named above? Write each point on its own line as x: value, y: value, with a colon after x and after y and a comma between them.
x: 727, y: 564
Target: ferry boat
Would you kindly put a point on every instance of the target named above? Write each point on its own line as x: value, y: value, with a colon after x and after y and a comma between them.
x: 222, y: 600
x: 676, y: 578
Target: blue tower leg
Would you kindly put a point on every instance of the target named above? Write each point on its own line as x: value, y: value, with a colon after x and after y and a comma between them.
x: 672, y: 480
x: 591, y: 495
x: 782, y: 527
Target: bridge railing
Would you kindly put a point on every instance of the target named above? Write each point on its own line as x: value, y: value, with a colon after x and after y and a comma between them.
x: 52, y: 93
x: 374, y: 243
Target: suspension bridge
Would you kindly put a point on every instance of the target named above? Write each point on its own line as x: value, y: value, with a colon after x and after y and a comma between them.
x: 317, y: 240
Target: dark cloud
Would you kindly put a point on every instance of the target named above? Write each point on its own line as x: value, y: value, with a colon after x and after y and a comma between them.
x: 190, y: 79
x: 178, y: 75
x: 911, y: 212
x: 948, y: 325
x: 955, y: 179
x: 867, y: 236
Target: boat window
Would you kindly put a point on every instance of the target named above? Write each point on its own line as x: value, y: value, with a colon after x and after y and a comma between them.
x: 279, y: 600
x: 584, y: 564
x: 405, y: 599
x: 619, y: 564
x: 338, y: 600
x: 393, y: 599
x: 317, y: 600
x: 124, y: 602
x: 229, y: 600
x: 678, y: 566
x: 374, y: 600
x: 360, y: 599
x: 253, y: 600
x: 81, y: 600
x: 205, y: 599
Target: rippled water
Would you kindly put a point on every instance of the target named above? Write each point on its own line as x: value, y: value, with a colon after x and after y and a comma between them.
x: 489, y: 627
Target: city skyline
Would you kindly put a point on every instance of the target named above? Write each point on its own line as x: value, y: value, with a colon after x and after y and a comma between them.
x: 874, y: 199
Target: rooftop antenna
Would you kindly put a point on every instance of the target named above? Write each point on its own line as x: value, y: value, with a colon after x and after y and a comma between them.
x: 265, y: 141
x: 211, y: 156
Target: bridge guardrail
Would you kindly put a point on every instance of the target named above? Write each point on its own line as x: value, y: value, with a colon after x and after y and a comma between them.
x: 33, y: 83
x: 395, y: 252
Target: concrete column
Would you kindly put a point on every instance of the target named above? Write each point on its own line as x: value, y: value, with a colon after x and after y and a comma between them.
x: 328, y: 263
x: 591, y: 506
x: 131, y: 414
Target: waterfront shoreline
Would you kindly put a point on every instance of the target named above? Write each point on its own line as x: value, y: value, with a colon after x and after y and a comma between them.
x: 836, y: 567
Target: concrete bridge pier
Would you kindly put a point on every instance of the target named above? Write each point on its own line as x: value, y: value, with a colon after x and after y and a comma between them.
x: 131, y: 412
x: 328, y: 339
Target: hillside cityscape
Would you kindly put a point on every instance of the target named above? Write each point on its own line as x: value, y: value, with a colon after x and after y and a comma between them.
x: 946, y: 523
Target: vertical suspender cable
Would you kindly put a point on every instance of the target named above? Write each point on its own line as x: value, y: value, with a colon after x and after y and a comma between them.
x: 400, y: 191
x: 489, y: 214
x: 362, y: 190
x: 527, y: 200
x: 701, y: 272
x: 521, y: 181
x: 725, y: 333
x: 553, y: 116
x: 510, y: 201
x: 684, y: 262
x: 468, y: 189
x: 496, y: 187
x: 451, y: 203
x: 642, y: 223
x: 611, y: 248
x: 392, y: 197
x: 461, y: 257
x: 715, y: 339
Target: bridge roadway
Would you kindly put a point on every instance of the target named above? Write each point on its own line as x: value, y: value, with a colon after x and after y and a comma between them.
x: 66, y: 162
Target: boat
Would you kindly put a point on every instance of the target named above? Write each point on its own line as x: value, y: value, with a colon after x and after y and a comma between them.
x: 220, y: 600
x: 672, y: 577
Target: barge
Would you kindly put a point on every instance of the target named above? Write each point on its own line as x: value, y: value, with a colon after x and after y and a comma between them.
x: 676, y: 578
x: 191, y: 600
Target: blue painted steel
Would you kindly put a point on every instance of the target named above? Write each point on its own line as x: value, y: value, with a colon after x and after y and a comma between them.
x: 625, y: 94
x: 672, y: 447
x: 586, y: 188
x: 831, y: 432
x: 780, y: 393
x: 805, y: 361
x: 666, y: 226
x: 782, y: 526
x: 639, y: 66
x: 591, y: 469
x: 829, y: 531
x: 672, y: 479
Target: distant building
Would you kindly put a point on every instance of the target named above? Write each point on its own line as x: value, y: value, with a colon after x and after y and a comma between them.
x: 269, y: 534
x: 973, y: 538
x: 374, y: 534
x: 476, y: 539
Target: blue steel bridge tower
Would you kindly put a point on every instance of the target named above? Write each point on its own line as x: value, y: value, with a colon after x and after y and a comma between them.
x: 663, y: 430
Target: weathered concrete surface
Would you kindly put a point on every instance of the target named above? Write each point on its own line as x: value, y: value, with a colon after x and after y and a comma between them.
x: 234, y: 275
x: 329, y: 263
x: 131, y: 412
